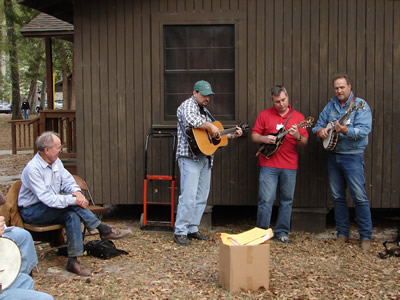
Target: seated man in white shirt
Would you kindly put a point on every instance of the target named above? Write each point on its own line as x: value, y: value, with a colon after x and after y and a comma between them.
x: 50, y: 195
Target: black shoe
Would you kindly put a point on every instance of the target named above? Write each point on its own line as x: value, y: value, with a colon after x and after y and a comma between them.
x: 181, y: 240
x: 284, y: 239
x: 197, y: 236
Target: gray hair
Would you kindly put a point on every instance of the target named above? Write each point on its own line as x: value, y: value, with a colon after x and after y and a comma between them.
x: 341, y: 75
x: 45, y: 140
x: 277, y: 90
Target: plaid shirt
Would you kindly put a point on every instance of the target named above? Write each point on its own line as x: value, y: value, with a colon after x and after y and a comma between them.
x: 189, y: 115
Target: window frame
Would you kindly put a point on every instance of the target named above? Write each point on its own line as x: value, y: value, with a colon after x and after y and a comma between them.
x: 157, y: 58
x: 210, y: 74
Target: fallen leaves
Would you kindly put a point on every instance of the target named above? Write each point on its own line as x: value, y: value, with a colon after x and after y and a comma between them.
x: 156, y: 268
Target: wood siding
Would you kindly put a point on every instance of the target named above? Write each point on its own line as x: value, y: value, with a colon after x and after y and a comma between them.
x: 297, y: 43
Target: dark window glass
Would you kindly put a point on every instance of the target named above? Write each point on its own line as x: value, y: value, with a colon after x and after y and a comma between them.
x: 199, y: 52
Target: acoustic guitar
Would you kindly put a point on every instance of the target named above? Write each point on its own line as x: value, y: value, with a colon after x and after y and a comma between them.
x: 269, y: 149
x: 201, y: 142
x: 330, y: 142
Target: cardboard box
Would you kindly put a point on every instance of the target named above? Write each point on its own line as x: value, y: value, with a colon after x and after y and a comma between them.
x: 244, y: 267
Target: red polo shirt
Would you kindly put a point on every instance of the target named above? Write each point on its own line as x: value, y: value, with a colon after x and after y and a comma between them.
x: 267, y: 122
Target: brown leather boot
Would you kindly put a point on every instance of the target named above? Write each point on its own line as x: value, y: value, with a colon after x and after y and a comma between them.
x: 77, y: 268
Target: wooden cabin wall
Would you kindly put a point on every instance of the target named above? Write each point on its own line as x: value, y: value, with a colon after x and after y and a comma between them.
x: 297, y: 43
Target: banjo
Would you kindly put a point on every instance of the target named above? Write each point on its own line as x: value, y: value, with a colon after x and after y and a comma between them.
x: 10, y: 262
x: 331, y: 140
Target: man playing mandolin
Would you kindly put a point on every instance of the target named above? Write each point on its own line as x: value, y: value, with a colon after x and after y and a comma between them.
x: 279, y: 164
x: 195, y: 169
x: 346, y: 158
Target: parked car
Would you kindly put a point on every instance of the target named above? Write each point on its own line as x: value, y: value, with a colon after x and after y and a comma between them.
x: 5, y: 107
x: 58, y: 104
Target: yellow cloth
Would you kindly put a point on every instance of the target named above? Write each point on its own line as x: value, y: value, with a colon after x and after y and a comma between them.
x: 254, y: 236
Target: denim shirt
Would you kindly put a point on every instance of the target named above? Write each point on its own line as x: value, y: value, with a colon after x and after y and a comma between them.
x: 359, y: 124
x: 50, y: 184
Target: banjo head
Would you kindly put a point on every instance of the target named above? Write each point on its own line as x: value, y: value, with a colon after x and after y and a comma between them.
x: 326, y: 142
x: 10, y: 262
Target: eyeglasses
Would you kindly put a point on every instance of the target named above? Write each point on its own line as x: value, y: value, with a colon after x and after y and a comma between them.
x: 59, y: 149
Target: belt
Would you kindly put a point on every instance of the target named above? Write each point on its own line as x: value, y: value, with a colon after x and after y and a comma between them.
x: 29, y: 206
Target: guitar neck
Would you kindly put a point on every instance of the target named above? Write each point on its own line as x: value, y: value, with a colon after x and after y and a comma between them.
x: 282, y: 134
x: 227, y: 131
x: 344, y: 118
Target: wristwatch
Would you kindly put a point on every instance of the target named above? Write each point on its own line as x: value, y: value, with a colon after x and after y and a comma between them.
x: 299, y: 139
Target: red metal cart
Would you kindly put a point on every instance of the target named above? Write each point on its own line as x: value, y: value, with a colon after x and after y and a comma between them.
x: 144, y: 222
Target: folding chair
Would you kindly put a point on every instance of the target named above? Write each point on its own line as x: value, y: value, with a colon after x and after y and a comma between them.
x: 12, y: 218
x: 99, y: 211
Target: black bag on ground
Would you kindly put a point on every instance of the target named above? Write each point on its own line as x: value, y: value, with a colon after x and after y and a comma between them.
x: 393, y: 251
x: 103, y: 249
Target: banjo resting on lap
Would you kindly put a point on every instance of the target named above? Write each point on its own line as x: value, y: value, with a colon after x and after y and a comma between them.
x: 10, y: 262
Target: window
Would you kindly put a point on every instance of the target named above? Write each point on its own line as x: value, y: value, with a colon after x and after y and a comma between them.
x: 199, y: 52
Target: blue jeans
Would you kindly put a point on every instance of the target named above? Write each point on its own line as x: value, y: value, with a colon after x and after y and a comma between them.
x: 26, y: 114
x: 348, y: 170
x: 195, y: 187
x: 25, y: 243
x: 268, y: 182
x: 22, y: 289
x: 71, y: 217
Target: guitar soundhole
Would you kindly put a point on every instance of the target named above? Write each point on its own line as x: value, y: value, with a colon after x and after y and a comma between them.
x: 216, y: 141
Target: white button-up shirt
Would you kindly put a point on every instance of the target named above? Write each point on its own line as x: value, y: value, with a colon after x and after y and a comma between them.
x: 50, y: 184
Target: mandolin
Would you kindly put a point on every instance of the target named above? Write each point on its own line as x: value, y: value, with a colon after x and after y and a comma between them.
x: 269, y: 149
x: 330, y: 142
x: 201, y: 142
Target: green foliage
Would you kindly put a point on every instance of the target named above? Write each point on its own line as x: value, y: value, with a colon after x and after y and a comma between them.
x: 62, y: 57
x: 30, y: 52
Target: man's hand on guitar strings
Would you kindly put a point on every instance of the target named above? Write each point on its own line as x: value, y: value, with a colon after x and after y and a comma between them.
x: 294, y: 132
x: 323, y: 133
x: 341, y: 128
x: 212, y: 130
x: 237, y: 133
x: 270, y: 139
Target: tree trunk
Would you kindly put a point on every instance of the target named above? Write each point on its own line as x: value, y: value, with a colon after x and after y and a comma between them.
x: 65, y: 68
x: 12, y: 46
x: 32, y: 96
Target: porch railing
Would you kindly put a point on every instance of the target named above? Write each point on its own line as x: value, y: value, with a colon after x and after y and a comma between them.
x: 21, y: 135
x: 25, y: 132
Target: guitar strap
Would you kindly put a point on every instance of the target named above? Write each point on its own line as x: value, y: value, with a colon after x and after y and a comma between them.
x: 287, y: 119
x: 203, y: 112
x: 352, y: 102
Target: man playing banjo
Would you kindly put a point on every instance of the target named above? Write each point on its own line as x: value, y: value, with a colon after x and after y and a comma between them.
x: 346, y: 157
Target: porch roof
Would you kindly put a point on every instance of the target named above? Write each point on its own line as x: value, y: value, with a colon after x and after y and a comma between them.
x: 44, y: 25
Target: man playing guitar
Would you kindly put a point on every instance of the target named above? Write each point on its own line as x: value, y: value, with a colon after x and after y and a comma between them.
x: 282, y: 165
x: 195, y: 170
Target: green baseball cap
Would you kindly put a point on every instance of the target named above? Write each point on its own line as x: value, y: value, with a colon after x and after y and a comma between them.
x: 203, y: 87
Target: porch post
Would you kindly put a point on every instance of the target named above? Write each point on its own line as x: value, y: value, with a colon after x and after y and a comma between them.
x: 49, y: 73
